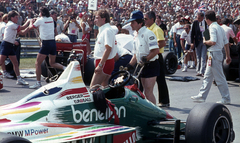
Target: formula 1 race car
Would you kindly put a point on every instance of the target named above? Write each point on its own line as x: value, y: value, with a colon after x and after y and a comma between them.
x: 67, y: 111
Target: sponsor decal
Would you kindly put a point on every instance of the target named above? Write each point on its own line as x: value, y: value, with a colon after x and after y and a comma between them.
x: 151, y: 38
x: 72, y: 91
x: 82, y: 100
x: 89, y: 115
x: 153, y: 44
x: 76, y: 97
x: 29, y: 132
x: 125, y: 138
x: 79, y: 45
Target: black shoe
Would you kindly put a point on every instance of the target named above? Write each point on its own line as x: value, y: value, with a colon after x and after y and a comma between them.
x: 214, y: 82
x: 237, y: 80
x: 163, y: 105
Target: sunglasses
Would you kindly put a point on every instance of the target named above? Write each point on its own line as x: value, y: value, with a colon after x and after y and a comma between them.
x: 145, y: 18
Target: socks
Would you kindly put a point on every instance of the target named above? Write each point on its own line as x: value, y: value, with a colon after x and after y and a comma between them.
x: 18, y: 77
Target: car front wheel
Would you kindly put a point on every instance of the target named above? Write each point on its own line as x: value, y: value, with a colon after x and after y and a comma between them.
x: 209, y: 123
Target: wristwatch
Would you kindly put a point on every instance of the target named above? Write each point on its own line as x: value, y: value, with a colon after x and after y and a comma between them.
x: 100, y: 65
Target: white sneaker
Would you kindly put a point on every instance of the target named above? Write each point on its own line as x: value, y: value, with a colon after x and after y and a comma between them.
x: 224, y: 101
x: 21, y: 81
x: 184, y: 69
x: 192, y: 67
x: 7, y: 75
x: 35, y: 86
x: 198, y: 99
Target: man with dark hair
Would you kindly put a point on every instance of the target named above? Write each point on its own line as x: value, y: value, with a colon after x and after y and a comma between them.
x: 149, y: 19
x: 104, y: 50
x: 57, y: 22
x: 7, y: 45
x: 229, y: 31
x: 45, y: 24
x: 146, y: 51
x: 198, y: 28
x: 161, y: 25
x: 178, y: 28
x: 214, y: 69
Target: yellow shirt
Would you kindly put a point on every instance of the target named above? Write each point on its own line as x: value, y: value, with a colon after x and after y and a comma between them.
x: 159, y: 34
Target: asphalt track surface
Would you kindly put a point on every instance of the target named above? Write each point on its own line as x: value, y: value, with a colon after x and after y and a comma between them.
x: 180, y: 93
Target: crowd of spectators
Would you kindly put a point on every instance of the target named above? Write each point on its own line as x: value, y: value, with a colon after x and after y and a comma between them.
x: 120, y: 9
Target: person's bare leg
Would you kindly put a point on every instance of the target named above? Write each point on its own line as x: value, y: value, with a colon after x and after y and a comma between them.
x: 98, y: 78
x: 2, y: 62
x: 15, y: 64
x: 148, y: 85
x: 52, y: 59
x: 40, y: 58
x: 105, y: 81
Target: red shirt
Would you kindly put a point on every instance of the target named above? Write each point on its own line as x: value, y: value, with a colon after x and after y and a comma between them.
x: 238, y: 36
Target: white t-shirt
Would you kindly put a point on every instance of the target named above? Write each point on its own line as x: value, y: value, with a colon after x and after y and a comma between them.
x: 178, y: 28
x: 218, y: 35
x: 10, y: 32
x: 129, y: 28
x: 46, y: 27
x: 106, y: 36
x: 187, y: 37
x: 72, y: 28
x: 229, y: 32
x: 59, y: 26
x: 2, y: 27
x: 144, y: 42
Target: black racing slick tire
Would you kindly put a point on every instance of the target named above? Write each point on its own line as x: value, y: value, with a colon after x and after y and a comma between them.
x: 8, y: 138
x: 170, y: 62
x: 209, y: 123
x: 88, y: 71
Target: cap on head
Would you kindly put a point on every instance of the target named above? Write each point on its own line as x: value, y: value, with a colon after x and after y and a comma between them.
x: 137, y: 14
x: 82, y: 14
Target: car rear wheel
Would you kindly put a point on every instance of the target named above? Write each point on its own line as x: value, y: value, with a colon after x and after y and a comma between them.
x: 170, y: 62
x: 209, y: 123
x: 8, y: 138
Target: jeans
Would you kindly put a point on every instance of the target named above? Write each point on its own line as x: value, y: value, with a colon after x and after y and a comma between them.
x: 201, y: 54
x: 179, y: 47
x: 171, y: 46
x: 73, y: 38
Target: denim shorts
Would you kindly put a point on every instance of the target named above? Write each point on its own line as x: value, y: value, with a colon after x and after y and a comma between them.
x: 7, y: 49
x: 151, y: 69
x: 48, y: 47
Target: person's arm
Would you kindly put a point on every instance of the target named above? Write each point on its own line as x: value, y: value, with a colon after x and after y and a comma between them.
x: 25, y: 25
x: 208, y: 42
x: 182, y: 44
x: 66, y: 24
x: 235, y: 40
x: 228, y: 58
x: 174, y: 39
x: 83, y: 28
x: 161, y: 44
x: 152, y: 54
x: 104, y: 58
x: 23, y: 32
x: 133, y: 60
x: 77, y: 25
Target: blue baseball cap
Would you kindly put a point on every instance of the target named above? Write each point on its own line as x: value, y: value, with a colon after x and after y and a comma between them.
x: 137, y: 14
